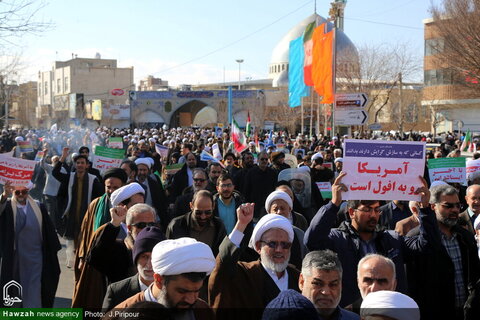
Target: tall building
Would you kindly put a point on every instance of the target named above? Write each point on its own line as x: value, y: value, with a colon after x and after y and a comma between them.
x: 64, y: 91
x: 151, y: 83
x: 453, y: 105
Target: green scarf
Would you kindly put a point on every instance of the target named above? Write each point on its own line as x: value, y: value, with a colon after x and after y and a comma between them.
x: 102, y: 213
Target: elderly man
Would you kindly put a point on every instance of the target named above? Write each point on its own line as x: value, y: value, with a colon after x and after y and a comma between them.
x: 154, y: 193
x: 404, y: 226
x: 179, y: 268
x: 375, y: 273
x: 142, y: 251
x: 321, y: 282
x: 199, y: 223
x: 452, y: 258
x: 29, y: 246
x: 355, y: 239
x: 279, y: 202
x: 106, y: 251
x: 473, y: 210
x: 182, y: 203
x: 236, y: 284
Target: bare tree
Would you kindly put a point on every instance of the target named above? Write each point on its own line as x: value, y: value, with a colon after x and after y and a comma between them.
x: 457, y: 26
x: 379, y: 71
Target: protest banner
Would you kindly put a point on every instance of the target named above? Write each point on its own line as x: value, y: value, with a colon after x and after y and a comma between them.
x: 205, y: 156
x: 161, y: 150
x: 216, y: 152
x: 115, y: 143
x: 447, y: 170
x: 472, y: 166
x: 18, y: 171
x: 39, y: 156
x: 325, y: 189
x: 106, y: 158
x: 328, y: 165
x: 383, y: 170
x: 173, y: 168
x: 25, y: 146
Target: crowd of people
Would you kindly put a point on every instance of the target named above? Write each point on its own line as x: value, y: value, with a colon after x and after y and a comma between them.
x: 247, y: 236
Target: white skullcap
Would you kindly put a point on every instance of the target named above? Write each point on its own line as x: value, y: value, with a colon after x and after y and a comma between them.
x: 476, y: 223
x: 18, y: 139
x: 305, y: 169
x: 184, y: 140
x: 144, y: 161
x: 317, y: 155
x: 251, y: 143
x: 152, y: 140
x: 74, y: 155
x: 267, y: 222
x: 141, y: 141
x: 166, y: 142
x: 391, y: 304
x: 438, y: 183
x: 125, y: 192
x: 339, y: 159
x: 278, y: 195
x: 176, y: 256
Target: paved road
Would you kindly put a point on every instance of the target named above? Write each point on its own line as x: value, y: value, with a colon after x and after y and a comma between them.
x: 63, y: 298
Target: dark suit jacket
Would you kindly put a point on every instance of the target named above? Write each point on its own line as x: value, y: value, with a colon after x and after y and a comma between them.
x: 466, y: 217
x: 179, y: 182
x: 120, y: 291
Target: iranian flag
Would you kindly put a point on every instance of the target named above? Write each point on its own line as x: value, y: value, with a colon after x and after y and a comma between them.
x: 466, y: 141
x: 248, y: 129
x: 238, y: 137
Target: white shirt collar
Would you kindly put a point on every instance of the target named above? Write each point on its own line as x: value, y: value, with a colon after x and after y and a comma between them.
x: 143, y: 286
x: 149, y: 295
x: 281, y: 283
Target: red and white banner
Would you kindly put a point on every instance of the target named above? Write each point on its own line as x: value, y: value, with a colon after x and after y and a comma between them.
x: 18, y: 171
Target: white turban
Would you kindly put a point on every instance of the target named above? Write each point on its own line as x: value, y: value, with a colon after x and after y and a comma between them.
x: 278, y: 195
x: 125, y: 192
x: 437, y: 183
x: 176, y: 256
x: 19, y: 138
x: 152, y: 140
x: 317, y: 155
x: 391, y: 304
x: 339, y: 160
x: 144, y: 161
x: 267, y: 222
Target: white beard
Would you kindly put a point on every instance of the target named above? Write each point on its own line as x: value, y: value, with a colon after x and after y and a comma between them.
x: 277, y: 267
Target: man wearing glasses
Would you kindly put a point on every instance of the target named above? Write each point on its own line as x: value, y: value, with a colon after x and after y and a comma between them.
x: 453, y: 265
x: 199, y: 223
x: 360, y: 236
x: 29, y: 246
x: 249, y: 286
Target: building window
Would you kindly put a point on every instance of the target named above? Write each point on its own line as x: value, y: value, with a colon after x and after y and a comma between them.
x: 46, y: 88
x: 433, y: 46
x: 66, y: 84
x: 59, y: 84
x: 439, y: 77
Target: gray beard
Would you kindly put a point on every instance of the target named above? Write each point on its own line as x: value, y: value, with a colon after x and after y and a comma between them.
x: 449, y: 222
x: 162, y: 298
x: 269, y: 264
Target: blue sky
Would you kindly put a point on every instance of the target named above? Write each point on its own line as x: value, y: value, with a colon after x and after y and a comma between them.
x: 157, y: 36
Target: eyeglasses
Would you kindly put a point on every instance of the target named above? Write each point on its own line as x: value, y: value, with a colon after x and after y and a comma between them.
x: 369, y: 209
x: 143, y: 225
x: 21, y: 192
x: 264, y: 159
x: 214, y: 172
x: 275, y: 244
x: 226, y: 185
x: 449, y: 205
x: 199, y: 180
x: 205, y: 212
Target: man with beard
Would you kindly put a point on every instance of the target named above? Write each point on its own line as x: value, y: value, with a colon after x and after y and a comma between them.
x: 355, y: 239
x: 183, y: 178
x: 142, y: 251
x: 182, y: 203
x: 251, y: 286
x: 321, y: 282
x: 259, y: 183
x: 214, y: 170
x: 199, y: 223
x: 452, y: 263
x: 247, y: 164
x: 277, y: 160
x: 106, y: 251
x: 179, y: 267
x: 154, y: 193
x: 226, y: 201
x: 473, y: 210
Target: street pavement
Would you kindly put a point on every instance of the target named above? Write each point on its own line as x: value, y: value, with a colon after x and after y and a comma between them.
x: 63, y: 298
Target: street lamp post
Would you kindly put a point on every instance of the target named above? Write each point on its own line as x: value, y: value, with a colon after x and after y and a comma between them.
x: 239, y: 71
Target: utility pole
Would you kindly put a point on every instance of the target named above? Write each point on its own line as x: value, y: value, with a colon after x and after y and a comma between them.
x: 400, y: 102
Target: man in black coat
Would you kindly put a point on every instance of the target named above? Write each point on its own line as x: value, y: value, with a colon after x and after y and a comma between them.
x: 259, y: 183
x: 440, y: 280
x: 23, y: 221
x: 183, y: 178
x: 142, y: 251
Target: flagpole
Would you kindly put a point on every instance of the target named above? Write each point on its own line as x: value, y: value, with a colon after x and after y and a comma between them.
x: 303, y: 128
x: 334, y: 78
x: 318, y: 116
x: 311, y: 111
